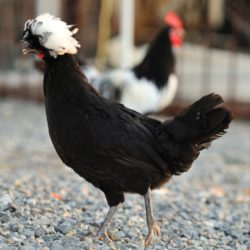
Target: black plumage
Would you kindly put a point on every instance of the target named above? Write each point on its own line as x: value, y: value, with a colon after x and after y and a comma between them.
x: 117, y: 149
x: 102, y: 141
x: 159, y: 61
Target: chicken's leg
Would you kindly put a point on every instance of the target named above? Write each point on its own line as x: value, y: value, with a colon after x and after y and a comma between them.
x: 152, y: 225
x: 103, y: 231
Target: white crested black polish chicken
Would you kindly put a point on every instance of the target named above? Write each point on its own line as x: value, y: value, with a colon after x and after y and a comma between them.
x: 115, y: 148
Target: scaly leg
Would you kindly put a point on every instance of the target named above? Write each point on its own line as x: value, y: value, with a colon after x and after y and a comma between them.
x: 103, y: 231
x: 153, y: 228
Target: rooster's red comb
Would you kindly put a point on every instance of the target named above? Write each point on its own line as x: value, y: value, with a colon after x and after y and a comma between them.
x: 173, y: 20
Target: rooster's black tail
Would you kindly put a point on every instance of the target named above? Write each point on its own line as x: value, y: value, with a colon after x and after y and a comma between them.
x: 202, y: 122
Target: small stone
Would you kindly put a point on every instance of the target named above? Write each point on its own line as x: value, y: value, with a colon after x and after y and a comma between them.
x: 118, y: 235
x: 131, y: 233
x: 242, y: 247
x: 50, y: 238
x: 189, y: 248
x: 31, y: 202
x: 158, y: 247
x: 88, y: 240
x: 27, y: 247
x: 4, y: 218
x: 5, y: 202
x: 106, y: 247
x: 132, y: 246
x: 83, y: 232
x: 28, y: 232
x: 56, y: 245
x: 176, y: 243
x: 39, y: 232
x: 63, y: 228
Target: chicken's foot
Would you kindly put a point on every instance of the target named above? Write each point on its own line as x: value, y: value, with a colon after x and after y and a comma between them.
x: 153, y: 228
x: 103, y: 231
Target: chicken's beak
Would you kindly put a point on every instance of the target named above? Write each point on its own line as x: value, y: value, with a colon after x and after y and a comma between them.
x: 28, y: 48
x: 29, y: 51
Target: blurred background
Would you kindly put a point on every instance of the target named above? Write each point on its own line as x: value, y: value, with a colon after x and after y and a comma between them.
x: 214, y: 57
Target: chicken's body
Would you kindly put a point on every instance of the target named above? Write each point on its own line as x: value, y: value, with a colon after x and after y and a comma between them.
x: 104, y: 142
x: 117, y: 149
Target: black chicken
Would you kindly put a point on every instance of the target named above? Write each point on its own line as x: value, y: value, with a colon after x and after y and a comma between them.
x: 116, y: 149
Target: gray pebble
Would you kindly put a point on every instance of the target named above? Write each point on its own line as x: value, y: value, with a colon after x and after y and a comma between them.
x: 118, y: 235
x: 5, y: 202
x: 57, y: 245
x: 64, y: 227
x: 14, y: 227
x: 132, y: 246
x: 28, y: 247
x: 39, y: 232
x: 4, y: 218
x: 28, y: 232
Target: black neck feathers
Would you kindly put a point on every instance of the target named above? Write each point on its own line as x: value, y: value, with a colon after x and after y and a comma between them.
x: 63, y: 77
x: 159, y: 61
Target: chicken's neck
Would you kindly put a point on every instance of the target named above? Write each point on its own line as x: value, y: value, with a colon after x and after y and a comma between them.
x: 159, y: 61
x: 64, y: 62
x: 63, y: 79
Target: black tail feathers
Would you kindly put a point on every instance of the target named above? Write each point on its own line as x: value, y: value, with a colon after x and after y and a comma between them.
x: 202, y: 122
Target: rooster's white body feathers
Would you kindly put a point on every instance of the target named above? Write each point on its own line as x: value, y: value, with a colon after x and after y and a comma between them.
x: 141, y: 94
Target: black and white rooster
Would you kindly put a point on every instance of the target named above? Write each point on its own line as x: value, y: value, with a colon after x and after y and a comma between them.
x: 115, y: 148
x: 152, y: 84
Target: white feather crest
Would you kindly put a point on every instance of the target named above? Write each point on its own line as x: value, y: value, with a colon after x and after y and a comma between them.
x: 54, y: 34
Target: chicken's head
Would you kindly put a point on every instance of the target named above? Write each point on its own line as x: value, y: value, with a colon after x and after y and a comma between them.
x: 47, y: 35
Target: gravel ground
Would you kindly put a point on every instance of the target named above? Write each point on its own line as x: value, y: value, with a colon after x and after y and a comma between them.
x: 45, y: 205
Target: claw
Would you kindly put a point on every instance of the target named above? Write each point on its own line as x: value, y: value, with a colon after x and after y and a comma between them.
x: 106, y: 234
x: 153, y: 229
x: 103, y: 231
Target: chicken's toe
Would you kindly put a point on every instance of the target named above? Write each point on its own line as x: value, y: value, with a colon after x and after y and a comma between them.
x: 101, y: 235
x: 153, y: 229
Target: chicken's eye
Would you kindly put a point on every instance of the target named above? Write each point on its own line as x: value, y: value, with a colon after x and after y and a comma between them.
x: 40, y: 38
